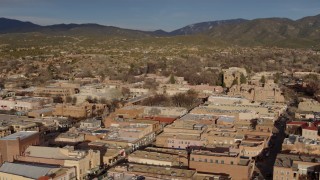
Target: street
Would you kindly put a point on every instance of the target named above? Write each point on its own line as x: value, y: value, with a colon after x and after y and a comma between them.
x: 265, y: 166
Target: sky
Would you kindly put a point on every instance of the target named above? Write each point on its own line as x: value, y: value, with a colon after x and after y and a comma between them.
x: 152, y: 14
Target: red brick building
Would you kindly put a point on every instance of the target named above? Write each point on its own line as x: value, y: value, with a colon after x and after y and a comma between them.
x: 15, y: 144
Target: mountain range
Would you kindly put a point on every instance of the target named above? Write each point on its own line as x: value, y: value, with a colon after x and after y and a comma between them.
x: 304, y: 32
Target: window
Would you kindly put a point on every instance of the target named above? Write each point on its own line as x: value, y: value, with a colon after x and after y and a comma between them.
x: 231, y: 162
x: 211, y: 161
x: 205, y: 160
x: 192, y: 159
x: 222, y: 161
x: 217, y: 161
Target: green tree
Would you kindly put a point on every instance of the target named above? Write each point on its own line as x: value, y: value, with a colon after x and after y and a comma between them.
x: 57, y: 99
x: 276, y: 78
x: 74, y: 100
x: 172, y: 80
x: 68, y: 99
x: 235, y: 81
x: 243, y: 79
x: 263, y: 80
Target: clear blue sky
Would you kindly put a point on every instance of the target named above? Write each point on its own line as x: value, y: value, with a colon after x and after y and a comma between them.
x: 152, y: 14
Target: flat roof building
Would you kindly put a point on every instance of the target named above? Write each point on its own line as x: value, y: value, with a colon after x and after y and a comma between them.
x: 23, y: 171
x: 15, y: 144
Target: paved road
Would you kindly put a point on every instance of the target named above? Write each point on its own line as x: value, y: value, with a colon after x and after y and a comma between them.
x: 265, y: 167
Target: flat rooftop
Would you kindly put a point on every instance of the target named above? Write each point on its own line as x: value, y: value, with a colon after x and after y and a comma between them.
x: 156, y: 171
x: 198, y: 117
x: 21, y: 135
x: 155, y: 156
x: 287, y: 160
x: 28, y: 170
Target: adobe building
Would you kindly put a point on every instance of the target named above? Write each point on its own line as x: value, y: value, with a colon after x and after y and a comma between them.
x: 80, y: 111
x: 158, y: 158
x: 54, y: 91
x: 15, y: 144
x: 221, y: 160
x: 85, y: 162
x: 122, y: 171
x: 232, y: 74
x: 268, y: 93
x: 22, y: 171
x: 295, y: 166
x: 307, y: 109
x: 298, y: 144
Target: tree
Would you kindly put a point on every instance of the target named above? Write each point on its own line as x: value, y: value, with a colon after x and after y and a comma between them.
x: 68, y: 99
x: 1, y: 85
x: 157, y: 100
x: 253, y: 123
x: 102, y: 76
x: 235, y: 81
x: 125, y: 91
x: 57, y: 99
x: 150, y: 84
x: 74, y: 100
x: 172, y: 80
x: 243, y: 79
x: 276, y: 78
x: 187, y: 100
x: 263, y: 80
x: 95, y: 100
x: 313, y: 86
x: 103, y: 101
x: 220, y: 80
x: 89, y: 99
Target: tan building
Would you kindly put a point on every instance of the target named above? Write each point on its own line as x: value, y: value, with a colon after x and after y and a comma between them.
x: 5, y: 130
x: 18, y: 126
x: 233, y: 74
x: 221, y: 161
x: 161, y: 114
x: 309, y: 105
x: 24, y: 103
x: 130, y: 171
x: 295, y: 167
x: 54, y: 91
x: 182, y: 134
x: 267, y: 93
x: 238, y: 115
x: 40, y: 113
x: 85, y: 162
x: 79, y: 111
x: 20, y: 171
x: 131, y: 136
x: 15, y: 144
x: 252, y: 145
x: 157, y: 159
x: 70, y: 138
x: 311, y: 131
x: 256, y: 78
x: 298, y: 144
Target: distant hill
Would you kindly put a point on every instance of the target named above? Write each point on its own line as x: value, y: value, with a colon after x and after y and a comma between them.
x: 8, y: 26
x: 15, y: 26
x: 283, y: 32
x: 204, y: 26
x: 271, y: 31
